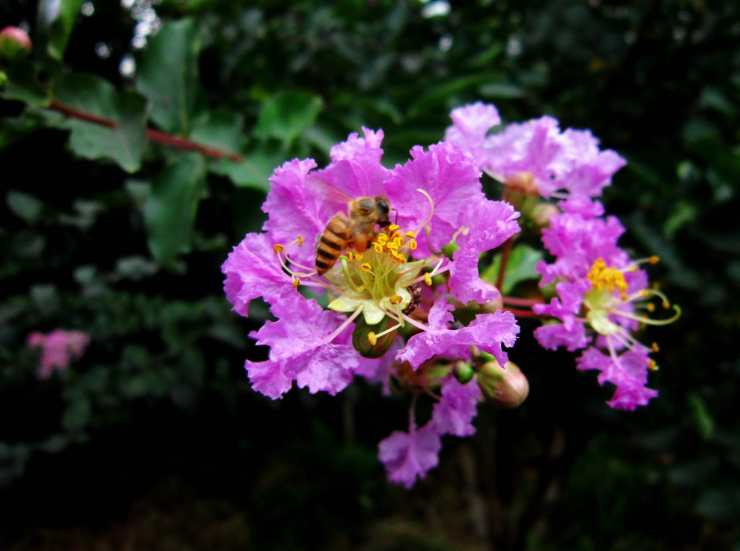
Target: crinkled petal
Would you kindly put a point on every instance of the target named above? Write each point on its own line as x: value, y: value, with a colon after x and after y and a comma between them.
x: 355, y: 145
x: 487, y: 331
x: 553, y: 336
x: 300, y: 350
x: 629, y: 372
x: 407, y: 456
x: 294, y: 208
x: 457, y: 408
x: 452, y: 181
x: 470, y: 125
x: 253, y: 270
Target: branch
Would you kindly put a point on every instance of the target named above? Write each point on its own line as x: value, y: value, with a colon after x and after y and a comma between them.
x: 155, y: 136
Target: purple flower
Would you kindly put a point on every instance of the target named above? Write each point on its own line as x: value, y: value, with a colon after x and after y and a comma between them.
x: 373, y: 292
x: 58, y: 349
x: 561, y: 164
x: 407, y: 456
x: 599, y: 293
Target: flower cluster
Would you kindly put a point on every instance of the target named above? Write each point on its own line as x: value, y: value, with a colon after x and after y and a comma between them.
x: 384, y: 304
x: 58, y: 349
x: 602, y: 295
x: 374, y: 272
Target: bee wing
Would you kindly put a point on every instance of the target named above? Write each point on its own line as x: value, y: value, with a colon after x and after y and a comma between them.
x: 335, y: 199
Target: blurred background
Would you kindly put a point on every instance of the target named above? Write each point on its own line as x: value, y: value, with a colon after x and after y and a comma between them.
x: 154, y: 440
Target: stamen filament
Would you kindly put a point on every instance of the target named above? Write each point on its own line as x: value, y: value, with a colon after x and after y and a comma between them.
x: 344, y: 325
x: 649, y: 321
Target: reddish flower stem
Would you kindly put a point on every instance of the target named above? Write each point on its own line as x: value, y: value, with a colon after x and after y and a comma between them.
x: 522, y: 313
x: 155, y: 136
x: 522, y: 301
x: 504, y: 261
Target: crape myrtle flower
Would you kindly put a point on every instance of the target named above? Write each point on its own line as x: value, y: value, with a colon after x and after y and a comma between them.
x: 535, y: 154
x: 385, y: 312
x: 58, y: 349
x: 602, y: 298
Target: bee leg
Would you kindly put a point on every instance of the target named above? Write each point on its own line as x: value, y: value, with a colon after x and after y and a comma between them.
x: 359, y: 242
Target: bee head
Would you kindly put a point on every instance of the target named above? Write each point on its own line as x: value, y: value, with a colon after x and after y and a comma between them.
x: 384, y: 208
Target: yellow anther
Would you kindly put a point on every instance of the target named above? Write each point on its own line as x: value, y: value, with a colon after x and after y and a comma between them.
x: 392, y: 245
x: 655, y: 347
x: 393, y: 227
x: 428, y: 279
x: 296, y: 282
x: 411, y: 234
x: 399, y: 257
x: 278, y: 248
x: 650, y: 307
x: 610, y: 278
x: 666, y: 304
x: 349, y: 255
x: 365, y: 266
x: 358, y: 256
x: 300, y: 241
x: 654, y: 259
x: 382, y: 239
x: 372, y: 339
x: 652, y: 366
x: 378, y: 247
x: 413, y: 245
x: 395, y: 299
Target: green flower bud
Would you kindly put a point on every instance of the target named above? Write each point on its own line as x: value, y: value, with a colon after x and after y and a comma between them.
x: 463, y: 372
x: 365, y: 341
x: 505, y: 388
x: 14, y: 44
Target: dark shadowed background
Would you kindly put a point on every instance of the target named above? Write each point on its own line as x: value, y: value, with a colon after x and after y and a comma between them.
x: 154, y: 440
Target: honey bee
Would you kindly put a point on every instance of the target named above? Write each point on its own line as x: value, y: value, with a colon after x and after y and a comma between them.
x: 354, y: 231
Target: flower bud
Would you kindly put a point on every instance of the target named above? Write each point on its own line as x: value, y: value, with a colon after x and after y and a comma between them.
x: 14, y: 44
x: 463, y: 372
x: 372, y: 347
x: 543, y: 213
x: 505, y: 388
x: 522, y: 192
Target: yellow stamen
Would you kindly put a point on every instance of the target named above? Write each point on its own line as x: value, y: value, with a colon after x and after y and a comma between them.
x: 278, y: 248
x: 413, y: 245
x: 652, y: 366
x: 393, y: 227
x: 610, y: 278
x: 655, y: 347
x: 382, y: 239
x: 411, y: 234
x: 371, y: 337
x: 428, y: 279
x: 300, y: 241
x: 378, y: 247
x: 358, y: 256
x: 296, y: 282
x: 395, y: 299
x: 654, y: 259
x: 650, y: 307
x: 365, y: 266
x: 349, y: 255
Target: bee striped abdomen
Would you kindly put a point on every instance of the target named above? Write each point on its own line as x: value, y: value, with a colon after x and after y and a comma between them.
x: 333, y: 241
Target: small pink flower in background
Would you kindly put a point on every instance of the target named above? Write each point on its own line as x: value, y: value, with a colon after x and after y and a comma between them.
x: 59, y: 348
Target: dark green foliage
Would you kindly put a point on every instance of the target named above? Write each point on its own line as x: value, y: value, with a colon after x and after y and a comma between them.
x: 111, y: 231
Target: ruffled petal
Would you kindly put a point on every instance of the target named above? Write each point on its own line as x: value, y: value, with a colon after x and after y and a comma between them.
x: 408, y: 456
x: 457, y: 408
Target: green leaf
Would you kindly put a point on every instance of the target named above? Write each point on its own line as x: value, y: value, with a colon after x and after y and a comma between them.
x: 519, y: 267
x: 24, y: 206
x: 170, y: 209
x: 168, y: 75
x: 56, y: 18
x: 255, y: 169
x: 77, y: 414
x: 219, y: 129
x: 702, y: 417
x: 24, y: 85
x: 124, y: 143
x: 287, y: 115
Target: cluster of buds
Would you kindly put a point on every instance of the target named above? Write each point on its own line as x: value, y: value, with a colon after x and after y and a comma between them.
x: 395, y: 296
